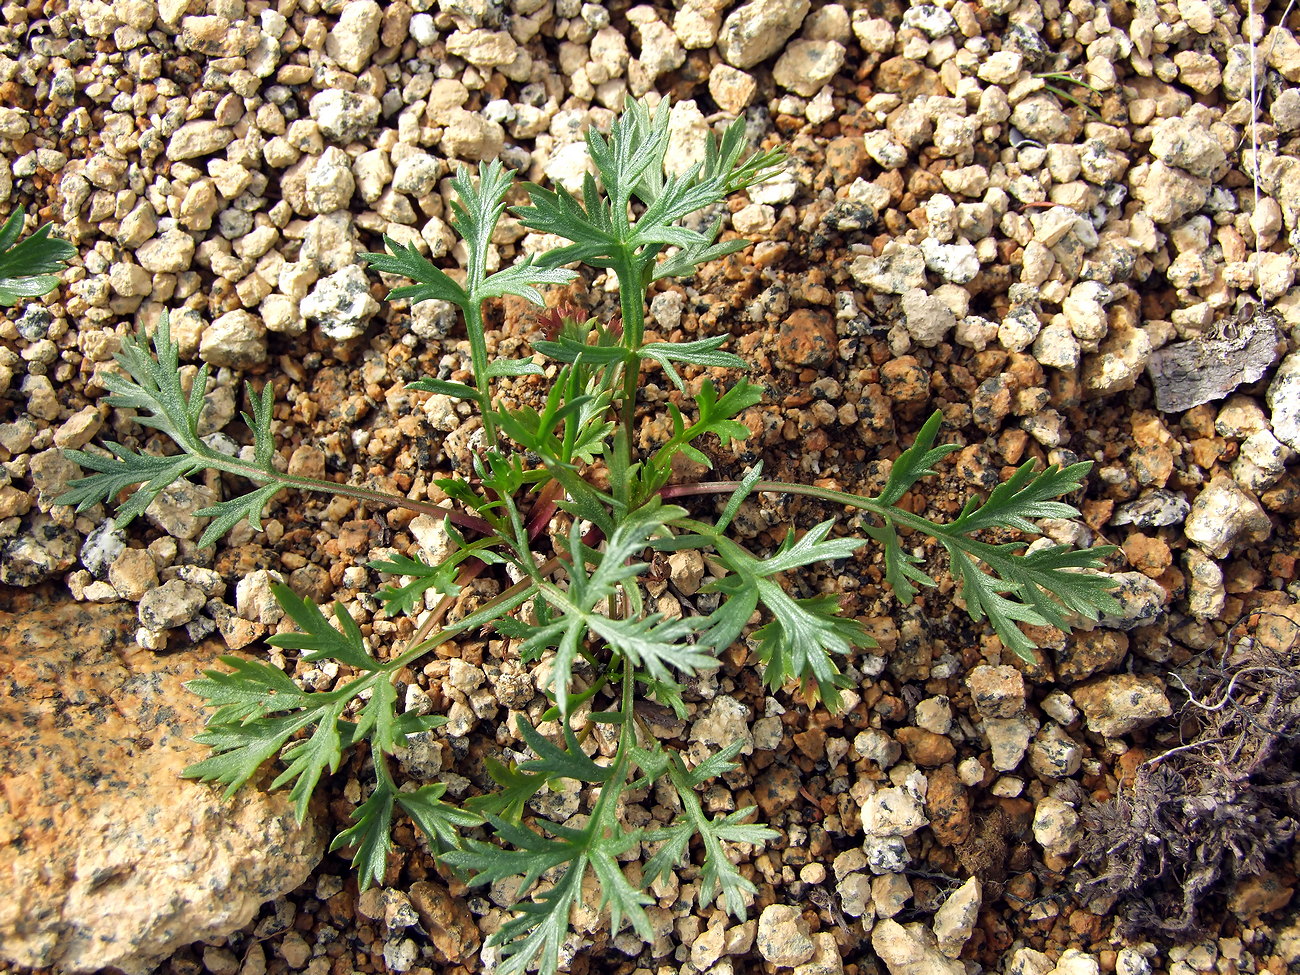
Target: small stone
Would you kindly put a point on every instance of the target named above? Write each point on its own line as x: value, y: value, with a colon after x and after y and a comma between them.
x: 102, y: 548
x: 826, y: 958
x: 1056, y: 826
x: 956, y: 262
x: 355, y: 36
x: 708, y: 947
x: 52, y: 471
x: 344, y: 117
x: 933, y: 21
x: 926, y: 748
x: 1141, y: 601
x: 1001, y: 68
x: 1131, y: 961
x: 401, y: 954
x: 1076, y: 962
x: 255, y: 599
x: 174, y: 509
x: 1115, y: 705
x: 329, y: 183
x: 855, y: 895
x: 1120, y: 360
x: 688, y: 138
x: 236, y: 340
x: 1283, y: 399
x: 330, y: 243
x: 1224, y: 517
x: 484, y: 48
x: 889, y: 894
x: 756, y: 30
x: 341, y: 304
x: 167, y: 253
x: 1183, y: 143
x: 1170, y: 194
x: 1008, y: 740
x: 1261, y: 894
x: 783, y: 938
x: 133, y: 573
x: 998, y: 692
x: 279, y: 313
x: 470, y: 136
x: 910, y: 950
x: 934, y: 714
x: 807, y: 338
x: 1158, y: 509
x: 447, y: 919
x: 43, y: 550
x: 201, y: 137
x: 295, y: 950
x: 927, y: 317
x: 731, y: 88
x: 417, y: 174
x: 895, y: 272
x: 726, y: 722
x: 236, y: 631
x: 172, y: 604
x: 806, y: 66
x: 1029, y: 961
x: 892, y: 812
x: 1089, y: 652
x: 886, y: 854
x: 1041, y: 117
x: 954, y: 922
x: 1054, y: 754
x: 686, y: 571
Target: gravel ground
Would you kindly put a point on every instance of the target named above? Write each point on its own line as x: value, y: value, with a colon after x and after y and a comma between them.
x: 1055, y: 223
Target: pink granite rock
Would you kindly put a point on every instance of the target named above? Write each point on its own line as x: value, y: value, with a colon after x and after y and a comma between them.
x: 108, y: 857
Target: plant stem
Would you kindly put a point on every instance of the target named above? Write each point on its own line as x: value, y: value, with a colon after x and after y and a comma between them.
x: 899, y: 515
x: 631, y: 300
x: 241, y: 468
x: 478, y: 358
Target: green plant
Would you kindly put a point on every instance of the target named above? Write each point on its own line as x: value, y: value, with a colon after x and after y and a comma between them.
x: 1053, y: 80
x: 577, y: 603
x: 29, y: 268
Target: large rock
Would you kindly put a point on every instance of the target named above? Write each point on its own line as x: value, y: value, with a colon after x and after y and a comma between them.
x: 107, y: 856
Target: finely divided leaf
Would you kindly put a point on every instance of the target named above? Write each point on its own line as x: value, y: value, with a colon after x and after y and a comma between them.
x: 801, y: 638
x: 570, y: 762
x: 408, y: 262
x: 916, y: 462
x: 226, y: 515
x: 719, y: 872
x: 438, y: 820
x: 1023, y: 496
x: 240, y: 749
x: 519, y: 279
x: 319, y: 638
x: 371, y: 834
x: 152, y: 474
x: 804, y: 633
x: 29, y: 269
x: 249, y: 690
x: 703, y: 352
x: 901, y: 570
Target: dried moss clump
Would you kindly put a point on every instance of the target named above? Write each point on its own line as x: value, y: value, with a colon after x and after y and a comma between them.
x: 1220, y: 808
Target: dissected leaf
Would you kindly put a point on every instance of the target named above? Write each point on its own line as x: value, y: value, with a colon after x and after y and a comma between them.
x: 29, y: 268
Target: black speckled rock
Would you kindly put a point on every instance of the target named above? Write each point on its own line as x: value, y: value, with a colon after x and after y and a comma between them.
x: 108, y: 856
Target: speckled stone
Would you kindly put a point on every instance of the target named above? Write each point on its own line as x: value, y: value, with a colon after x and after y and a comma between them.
x: 111, y: 859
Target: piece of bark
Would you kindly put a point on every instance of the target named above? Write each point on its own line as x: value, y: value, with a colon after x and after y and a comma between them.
x: 1236, y: 351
